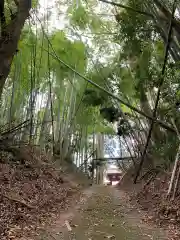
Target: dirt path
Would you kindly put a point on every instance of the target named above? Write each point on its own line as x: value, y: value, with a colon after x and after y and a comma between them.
x: 103, y: 214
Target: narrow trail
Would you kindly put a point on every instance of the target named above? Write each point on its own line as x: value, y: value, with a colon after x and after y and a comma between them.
x: 103, y: 214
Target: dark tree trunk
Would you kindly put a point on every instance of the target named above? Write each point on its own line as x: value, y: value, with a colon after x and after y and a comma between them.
x: 10, y: 36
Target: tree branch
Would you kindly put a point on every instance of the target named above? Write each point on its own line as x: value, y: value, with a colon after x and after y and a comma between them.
x: 163, y: 124
x: 159, y: 90
x: 128, y: 8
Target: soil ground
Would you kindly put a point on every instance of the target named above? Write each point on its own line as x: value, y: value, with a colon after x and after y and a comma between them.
x: 102, y: 213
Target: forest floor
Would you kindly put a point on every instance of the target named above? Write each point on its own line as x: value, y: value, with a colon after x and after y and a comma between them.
x: 102, y: 213
x: 33, y: 192
x: 41, y: 200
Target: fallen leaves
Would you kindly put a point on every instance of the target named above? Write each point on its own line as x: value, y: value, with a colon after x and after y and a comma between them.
x: 30, y: 194
x: 157, y: 208
x: 68, y: 226
x: 110, y: 237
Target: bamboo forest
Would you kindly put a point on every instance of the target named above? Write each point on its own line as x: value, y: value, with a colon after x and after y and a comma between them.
x: 89, y: 119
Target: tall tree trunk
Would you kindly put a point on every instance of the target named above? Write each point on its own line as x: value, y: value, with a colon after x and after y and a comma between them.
x: 44, y: 122
x: 176, y: 162
x: 162, y: 16
x: 66, y: 150
x: 100, y: 154
x: 30, y: 109
x: 9, y: 39
x: 62, y: 120
x: 58, y: 121
x: 86, y: 150
x: 156, y: 133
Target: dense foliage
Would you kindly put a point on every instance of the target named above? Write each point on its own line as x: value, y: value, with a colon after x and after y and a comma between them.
x: 119, y: 48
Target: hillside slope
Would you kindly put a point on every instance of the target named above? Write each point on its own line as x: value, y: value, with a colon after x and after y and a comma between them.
x: 32, y: 193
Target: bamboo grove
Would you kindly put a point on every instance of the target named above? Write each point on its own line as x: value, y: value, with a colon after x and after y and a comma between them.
x: 107, y: 69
